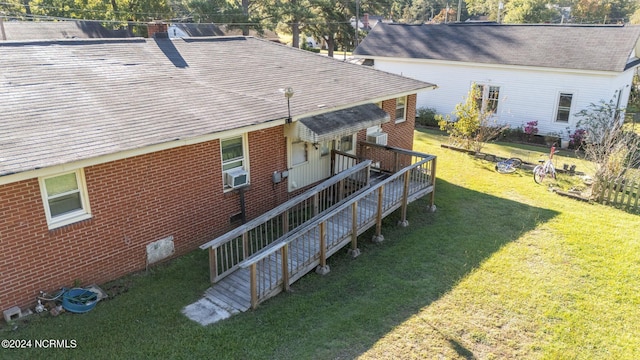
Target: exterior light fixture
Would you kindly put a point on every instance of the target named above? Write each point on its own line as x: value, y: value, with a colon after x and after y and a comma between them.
x: 288, y: 93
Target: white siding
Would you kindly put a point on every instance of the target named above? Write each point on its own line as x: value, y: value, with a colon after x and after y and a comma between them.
x: 525, y: 94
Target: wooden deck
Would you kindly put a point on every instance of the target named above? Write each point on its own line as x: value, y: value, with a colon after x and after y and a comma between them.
x: 274, y: 267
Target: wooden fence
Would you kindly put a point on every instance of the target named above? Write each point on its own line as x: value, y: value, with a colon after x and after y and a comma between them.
x: 622, y: 193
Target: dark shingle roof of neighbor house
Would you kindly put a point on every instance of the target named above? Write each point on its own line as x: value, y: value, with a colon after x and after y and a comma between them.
x: 605, y: 48
x: 76, y: 99
x: 200, y: 29
x: 55, y: 30
x: 196, y: 30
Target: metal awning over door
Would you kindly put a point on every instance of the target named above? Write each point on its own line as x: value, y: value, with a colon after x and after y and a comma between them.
x: 335, y: 124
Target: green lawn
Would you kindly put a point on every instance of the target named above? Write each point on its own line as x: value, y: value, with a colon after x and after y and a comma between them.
x: 503, y: 269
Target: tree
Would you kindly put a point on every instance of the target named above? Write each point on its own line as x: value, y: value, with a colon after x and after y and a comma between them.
x: 528, y: 11
x: 635, y: 18
x: 472, y: 127
x: 606, y: 144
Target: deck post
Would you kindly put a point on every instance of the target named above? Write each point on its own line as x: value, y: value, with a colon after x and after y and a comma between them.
x: 245, y: 245
x: 285, y: 222
x: 354, y: 251
x: 432, y: 196
x: 377, y: 237
x: 253, y: 283
x: 405, y: 201
x: 285, y: 268
x: 213, y: 264
x: 323, y: 268
x: 316, y: 206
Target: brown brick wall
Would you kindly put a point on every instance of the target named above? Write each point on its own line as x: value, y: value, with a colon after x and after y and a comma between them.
x: 401, y: 134
x: 133, y: 201
x: 139, y: 200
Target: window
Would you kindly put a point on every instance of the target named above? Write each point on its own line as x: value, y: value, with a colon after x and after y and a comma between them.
x: 487, y: 98
x: 298, y: 153
x: 65, y: 198
x: 326, y: 147
x: 401, y: 109
x: 233, y: 156
x: 564, y: 107
x: 345, y: 143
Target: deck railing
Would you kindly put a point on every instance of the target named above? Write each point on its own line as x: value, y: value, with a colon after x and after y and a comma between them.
x: 229, y: 250
x: 274, y: 268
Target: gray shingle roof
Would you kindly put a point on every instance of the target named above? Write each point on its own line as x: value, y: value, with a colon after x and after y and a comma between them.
x: 50, y: 30
x: 604, y: 48
x: 76, y: 99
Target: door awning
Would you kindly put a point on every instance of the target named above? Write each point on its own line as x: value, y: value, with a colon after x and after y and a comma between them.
x: 335, y: 124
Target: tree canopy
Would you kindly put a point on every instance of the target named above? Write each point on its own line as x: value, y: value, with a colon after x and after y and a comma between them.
x: 329, y: 20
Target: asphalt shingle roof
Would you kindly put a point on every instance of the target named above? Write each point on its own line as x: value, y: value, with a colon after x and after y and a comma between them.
x: 54, y: 30
x: 76, y: 99
x: 605, y: 48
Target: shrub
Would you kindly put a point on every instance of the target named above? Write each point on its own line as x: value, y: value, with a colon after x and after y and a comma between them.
x: 472, y: 128
x: 531, y: 128
x: 513, y: 134
x: 576, y: 139
x: 426, y: 116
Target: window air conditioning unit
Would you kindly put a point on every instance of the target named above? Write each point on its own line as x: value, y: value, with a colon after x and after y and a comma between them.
x: 379, y: 138
x: 236, y: 177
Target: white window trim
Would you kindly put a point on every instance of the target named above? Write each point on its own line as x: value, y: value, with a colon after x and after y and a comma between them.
x: 306, y: 149
x: 557, y: 108
x: 486, y: 89
x: 404, y: 113
x: 245, y: 160
x: 71, y: 217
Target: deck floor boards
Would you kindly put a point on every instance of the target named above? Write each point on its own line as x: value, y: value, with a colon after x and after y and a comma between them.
x: 234, y: 292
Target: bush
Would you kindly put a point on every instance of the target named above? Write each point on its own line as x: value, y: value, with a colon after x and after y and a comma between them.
x: 513, y: 134
x: 426, y: 116
x: 531, y: 128
x: 576, y: 139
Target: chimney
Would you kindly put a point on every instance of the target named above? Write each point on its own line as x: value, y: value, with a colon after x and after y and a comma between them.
x: 365, y: 21
x: 157, y: 29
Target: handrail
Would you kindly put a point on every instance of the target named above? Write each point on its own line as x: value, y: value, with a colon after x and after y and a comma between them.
x: 287, y: 238
x: 284, y: 206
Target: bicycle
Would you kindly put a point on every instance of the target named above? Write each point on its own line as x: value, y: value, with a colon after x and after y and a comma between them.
x: 508, y: 166
x: 545, y: 168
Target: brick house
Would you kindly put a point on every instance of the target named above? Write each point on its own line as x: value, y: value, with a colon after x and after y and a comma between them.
x: 117, y: 153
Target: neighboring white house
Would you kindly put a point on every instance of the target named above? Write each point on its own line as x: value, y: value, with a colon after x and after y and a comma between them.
x: 544, y: 73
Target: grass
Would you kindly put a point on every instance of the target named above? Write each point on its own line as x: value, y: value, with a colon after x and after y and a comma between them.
x: 503, y: 269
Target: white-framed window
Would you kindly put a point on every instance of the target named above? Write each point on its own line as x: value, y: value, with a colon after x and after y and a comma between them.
x: 65, y: 198
x: 564, y: 107
x: 401, y: 109
x: 345, y: 144
x: 233, y: 153
x: 487, y: 98
x: 326, y: 147
x: 298, y: 153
